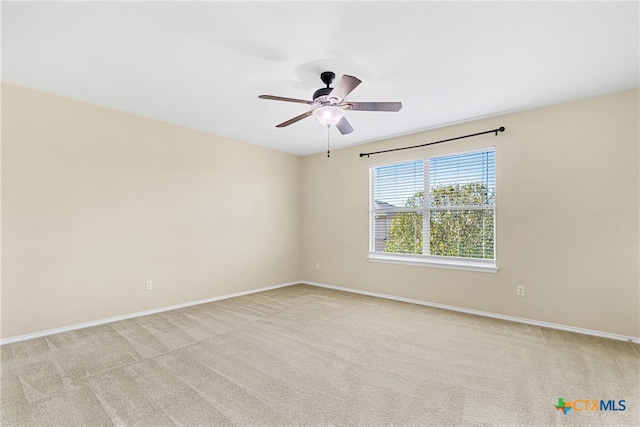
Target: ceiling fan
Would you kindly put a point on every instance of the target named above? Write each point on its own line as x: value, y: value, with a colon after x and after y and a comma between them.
x: 330, y: 104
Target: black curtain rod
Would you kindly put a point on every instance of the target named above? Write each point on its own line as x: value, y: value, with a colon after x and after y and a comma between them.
x: 500, y: 129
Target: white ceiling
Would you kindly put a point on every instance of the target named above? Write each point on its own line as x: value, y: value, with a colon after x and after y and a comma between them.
x: 203, y: 64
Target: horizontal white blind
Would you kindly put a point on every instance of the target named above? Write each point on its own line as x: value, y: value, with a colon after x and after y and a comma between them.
x: 463, y: 180
x: 456, y: 219
x: 395, y: 185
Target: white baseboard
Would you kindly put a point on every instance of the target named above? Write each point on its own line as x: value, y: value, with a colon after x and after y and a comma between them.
x: 139, y: 314
x: 635, y: 340
x: 322, y: 285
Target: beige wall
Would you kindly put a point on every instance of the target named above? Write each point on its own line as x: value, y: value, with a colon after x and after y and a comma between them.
x: 95, y: 202
x: 567, y: 218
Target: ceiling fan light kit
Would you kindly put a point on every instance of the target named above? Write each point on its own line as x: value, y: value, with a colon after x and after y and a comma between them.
x: 330, y: 105
x: 328, y: 115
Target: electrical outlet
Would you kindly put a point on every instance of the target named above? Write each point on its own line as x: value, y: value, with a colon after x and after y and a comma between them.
x: 520, y: 291
x: 148, y: 286
x: 317, y: 266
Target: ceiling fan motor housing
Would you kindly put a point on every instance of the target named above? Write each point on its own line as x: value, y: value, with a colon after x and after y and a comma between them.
x: 321, y: 96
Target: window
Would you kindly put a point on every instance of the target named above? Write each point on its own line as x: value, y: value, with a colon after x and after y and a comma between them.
x: 452, y: 226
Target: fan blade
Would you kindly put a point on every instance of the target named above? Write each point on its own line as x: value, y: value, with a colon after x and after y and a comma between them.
x: 295, y: 119
x: 344, y: 126
x: 281, y: 98
x: 344, y: 87
x: 373, y: 106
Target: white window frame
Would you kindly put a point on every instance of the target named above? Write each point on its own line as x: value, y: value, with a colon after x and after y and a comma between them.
x: 425, y: 259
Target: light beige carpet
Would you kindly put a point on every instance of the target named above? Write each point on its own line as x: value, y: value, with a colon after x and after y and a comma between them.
x: 308, y: 356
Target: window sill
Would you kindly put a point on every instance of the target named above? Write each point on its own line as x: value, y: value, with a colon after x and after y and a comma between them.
x: 455, y: 264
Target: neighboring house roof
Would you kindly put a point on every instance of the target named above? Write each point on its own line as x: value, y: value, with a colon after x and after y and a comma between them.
x: 379, y: 204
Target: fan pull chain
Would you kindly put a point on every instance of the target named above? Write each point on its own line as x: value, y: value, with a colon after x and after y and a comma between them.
x: 328, y: 140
